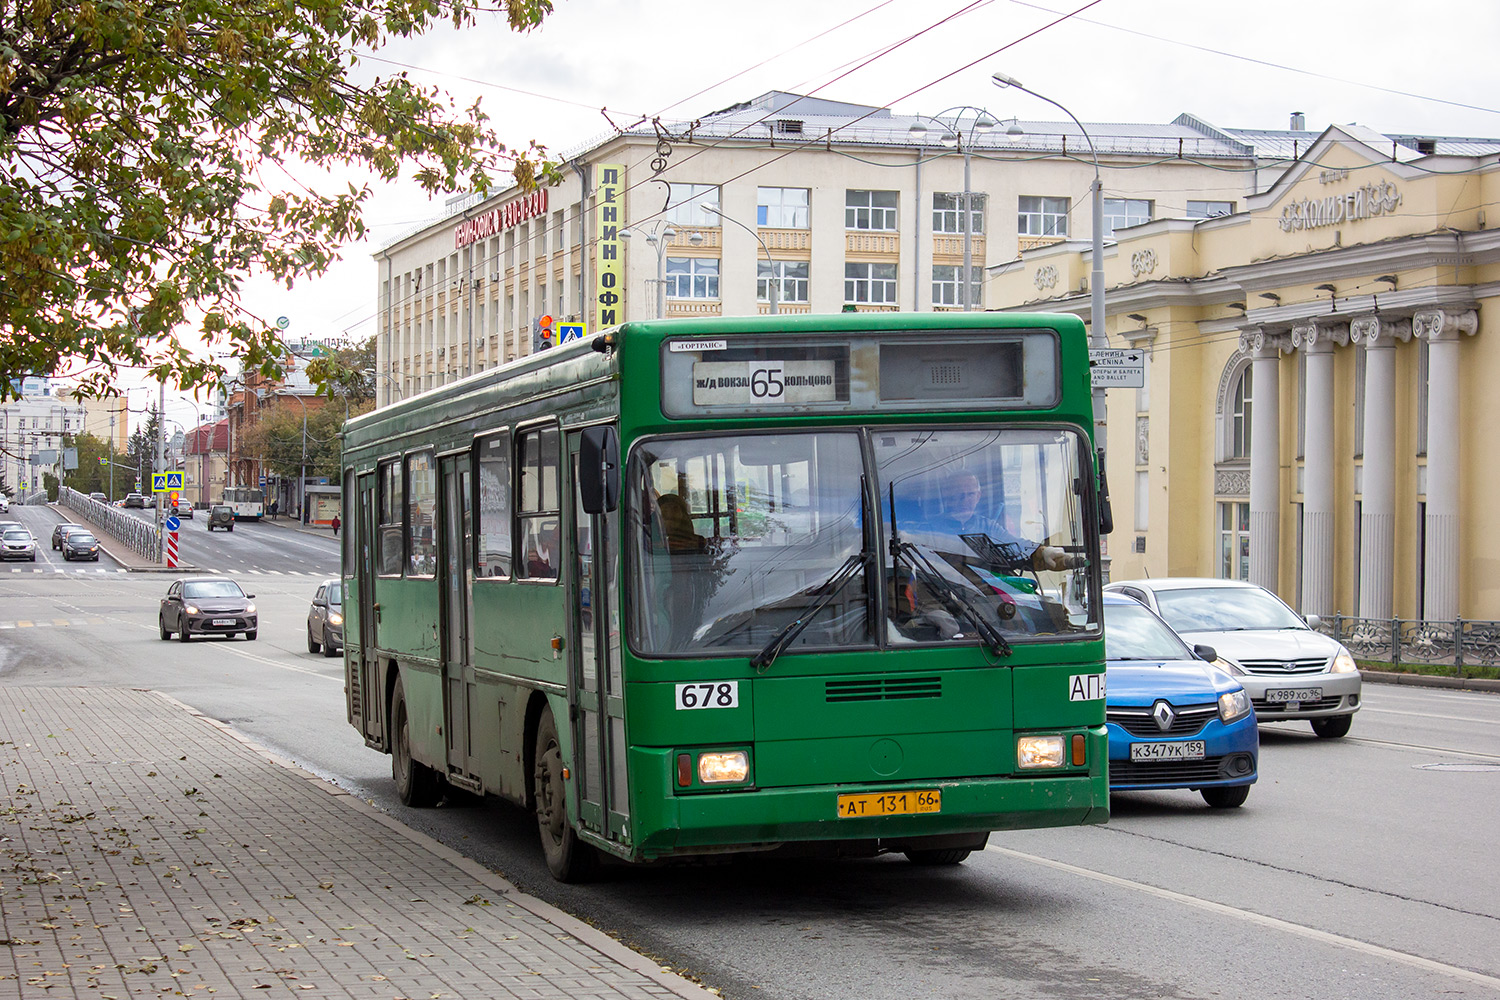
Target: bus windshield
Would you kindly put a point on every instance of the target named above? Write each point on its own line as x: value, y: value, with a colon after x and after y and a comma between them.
x: 737, y: 538
x: 984, y: 523
x: 734, y: 536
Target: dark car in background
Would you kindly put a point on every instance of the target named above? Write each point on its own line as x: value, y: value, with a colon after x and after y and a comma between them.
x: 221, y: 516
x: 99, y: 497
x: 59, y: 530
x: 80, y: 545
x: 207, y: 605
x: 135, y: 500
x: 325, y: 619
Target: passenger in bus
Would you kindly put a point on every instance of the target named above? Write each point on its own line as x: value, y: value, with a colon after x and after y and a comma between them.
x: 677, y: 525
x: 541, y: 552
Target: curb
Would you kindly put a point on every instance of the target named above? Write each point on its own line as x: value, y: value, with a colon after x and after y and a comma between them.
x: 571, y: 925
x: 1432, y: 681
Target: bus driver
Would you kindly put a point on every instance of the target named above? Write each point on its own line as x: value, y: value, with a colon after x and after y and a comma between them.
x: 961, y: 516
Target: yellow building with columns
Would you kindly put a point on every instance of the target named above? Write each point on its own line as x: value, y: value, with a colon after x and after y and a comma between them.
x: 1320, y: 410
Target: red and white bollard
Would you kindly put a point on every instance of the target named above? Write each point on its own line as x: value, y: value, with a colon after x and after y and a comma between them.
x: 171, y: 550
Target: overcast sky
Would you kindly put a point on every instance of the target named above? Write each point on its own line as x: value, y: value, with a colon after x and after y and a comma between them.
x: 1392, y: 66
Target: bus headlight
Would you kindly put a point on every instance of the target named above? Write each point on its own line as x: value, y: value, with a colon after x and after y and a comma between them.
x: 723, y: 768
x: 1344, y: 663
x: 1039, y: 751
x: 1233, y: 705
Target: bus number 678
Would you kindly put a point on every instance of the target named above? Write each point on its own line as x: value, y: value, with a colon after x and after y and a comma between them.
x: 711, y: 694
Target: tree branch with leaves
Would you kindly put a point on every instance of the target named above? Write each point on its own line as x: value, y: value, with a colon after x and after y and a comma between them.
x: 149, y: 153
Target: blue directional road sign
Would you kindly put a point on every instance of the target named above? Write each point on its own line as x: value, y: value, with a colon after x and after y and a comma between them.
x: 173, y: 523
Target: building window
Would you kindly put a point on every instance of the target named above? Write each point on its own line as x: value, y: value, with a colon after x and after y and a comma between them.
x: 692, y: 277
x: 1039, y: 216
x: 793, y: 281
x: 1209, y: 209
x: 947, y: 213
x: 1122, y: 212
x: 870, y: 210
x: 874, y: 284
x: 685, y: 204
x: 945, y: 290
x: 782, y: 208
x: 1239, y: 440
x: 1234, y: 541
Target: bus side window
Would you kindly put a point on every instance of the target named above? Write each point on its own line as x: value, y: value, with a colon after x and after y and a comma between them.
x: 538, y: 507
x: 421, y: 521
x: 391, y: 509
x: 494, y: 544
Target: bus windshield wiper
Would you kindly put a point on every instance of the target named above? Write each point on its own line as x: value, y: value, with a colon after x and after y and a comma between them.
x: 789, y: 632
x: 952, y: 599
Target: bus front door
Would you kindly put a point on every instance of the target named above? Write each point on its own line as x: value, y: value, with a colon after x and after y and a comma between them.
x: 458, y: 615
x: 596, y: 690
x: 364, y: 665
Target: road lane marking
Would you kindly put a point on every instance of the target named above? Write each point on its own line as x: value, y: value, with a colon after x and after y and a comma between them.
x: 1430, y: 715
x: 1250, y: 916
x: 226, y: 648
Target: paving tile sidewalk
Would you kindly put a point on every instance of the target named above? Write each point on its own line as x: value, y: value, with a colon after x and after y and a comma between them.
x: 146, y: 850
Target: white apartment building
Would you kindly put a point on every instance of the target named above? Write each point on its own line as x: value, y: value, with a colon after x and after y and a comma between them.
x: 847, y: 207
x: 32, y: 430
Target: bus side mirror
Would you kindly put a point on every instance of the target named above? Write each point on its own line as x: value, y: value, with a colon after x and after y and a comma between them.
x: 599, y: 468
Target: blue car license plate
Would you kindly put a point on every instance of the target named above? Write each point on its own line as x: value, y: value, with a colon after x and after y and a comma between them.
x: 1182, y: 750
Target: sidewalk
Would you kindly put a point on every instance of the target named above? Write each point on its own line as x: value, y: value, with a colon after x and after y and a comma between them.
x: 150, y: 851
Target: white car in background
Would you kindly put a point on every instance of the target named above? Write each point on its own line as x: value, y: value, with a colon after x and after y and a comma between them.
x: 1290, y: 670
x: 4, y: 504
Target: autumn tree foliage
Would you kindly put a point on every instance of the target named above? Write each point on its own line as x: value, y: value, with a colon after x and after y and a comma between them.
x: 154, y: 154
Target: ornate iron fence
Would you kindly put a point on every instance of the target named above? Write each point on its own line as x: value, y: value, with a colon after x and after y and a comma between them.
x: 138, y: 534
x: 1460, y: 644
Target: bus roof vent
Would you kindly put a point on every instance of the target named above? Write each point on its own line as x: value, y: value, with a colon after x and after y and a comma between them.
x: 884, y: 689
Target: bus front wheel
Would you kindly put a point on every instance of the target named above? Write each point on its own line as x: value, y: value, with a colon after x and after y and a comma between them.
x: 416, y: 783
x: 568, y: 858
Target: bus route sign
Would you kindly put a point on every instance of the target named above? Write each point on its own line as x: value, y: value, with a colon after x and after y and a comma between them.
x: 1117, y: 368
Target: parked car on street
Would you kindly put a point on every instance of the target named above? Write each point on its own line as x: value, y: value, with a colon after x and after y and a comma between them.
x: 135, y: 500
x: 184, y: 508
x: 207, y: 605
x: 80, y: 545
x: 17, y: 543
x: 1290, y: 670
x: 325, y: 619
x: 221, y: 516
x: 1175, y: 719
x: 59, y: 530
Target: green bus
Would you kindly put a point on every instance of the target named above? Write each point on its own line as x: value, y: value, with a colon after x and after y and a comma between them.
x: 818, y: 583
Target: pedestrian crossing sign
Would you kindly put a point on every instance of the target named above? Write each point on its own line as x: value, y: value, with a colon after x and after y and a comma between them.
x: 569, y: 331
x: 165, y: 482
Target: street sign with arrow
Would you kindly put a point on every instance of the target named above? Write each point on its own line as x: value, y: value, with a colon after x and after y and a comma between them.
x: 1117, y: 368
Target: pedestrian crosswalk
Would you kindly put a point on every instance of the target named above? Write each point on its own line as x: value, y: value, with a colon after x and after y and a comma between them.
x: 56, y: 622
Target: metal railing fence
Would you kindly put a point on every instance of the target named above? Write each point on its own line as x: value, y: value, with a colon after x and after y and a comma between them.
x: 1461, y: 643
x: 139, y: 535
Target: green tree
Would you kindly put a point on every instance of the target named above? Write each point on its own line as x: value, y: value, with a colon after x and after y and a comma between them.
x: 141, y: 449
x: 347, y: 374
x: 150, y: 153
x: 92, y: 475
x: 277, y: 438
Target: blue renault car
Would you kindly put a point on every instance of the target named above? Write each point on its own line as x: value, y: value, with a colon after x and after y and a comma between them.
x: 1175, y: 719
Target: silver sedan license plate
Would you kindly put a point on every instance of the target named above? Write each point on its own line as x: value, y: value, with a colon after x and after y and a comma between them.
x: 1185, y: 750
x: 1276, y: 696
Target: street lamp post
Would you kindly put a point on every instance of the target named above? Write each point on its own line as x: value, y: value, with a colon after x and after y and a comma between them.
x: 1097, y: 337
x: 659, y: 236
x: 773, y: 285
x: 302, y: 479
x: 983, y: 122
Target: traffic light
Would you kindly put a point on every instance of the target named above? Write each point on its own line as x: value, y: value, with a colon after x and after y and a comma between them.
x: 542, y: 336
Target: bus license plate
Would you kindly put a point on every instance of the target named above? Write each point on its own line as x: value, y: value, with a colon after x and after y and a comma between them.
x: 925, y: 800
x: 1275, y: 696
x: 1186, y: 750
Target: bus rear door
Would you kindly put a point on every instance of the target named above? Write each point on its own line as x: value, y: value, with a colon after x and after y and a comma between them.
x: 458, y: 615
x: 363, y: 664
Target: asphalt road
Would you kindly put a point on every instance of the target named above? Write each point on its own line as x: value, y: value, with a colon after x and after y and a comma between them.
x: 1360, y: 867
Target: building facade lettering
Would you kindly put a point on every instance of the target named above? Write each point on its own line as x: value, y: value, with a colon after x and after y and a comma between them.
x: 512, y: 213
x: 1365, y: 202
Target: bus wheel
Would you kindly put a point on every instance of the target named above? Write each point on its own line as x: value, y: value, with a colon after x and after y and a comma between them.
x: 941, y: 856
x: 416, y: 783
x: 568, y: 858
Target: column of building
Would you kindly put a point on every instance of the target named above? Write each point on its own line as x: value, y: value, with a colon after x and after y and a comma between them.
x: 1377, y: 528
x: 1317, y: 340
x: 1265, y: 456
x: 1441, y: 329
